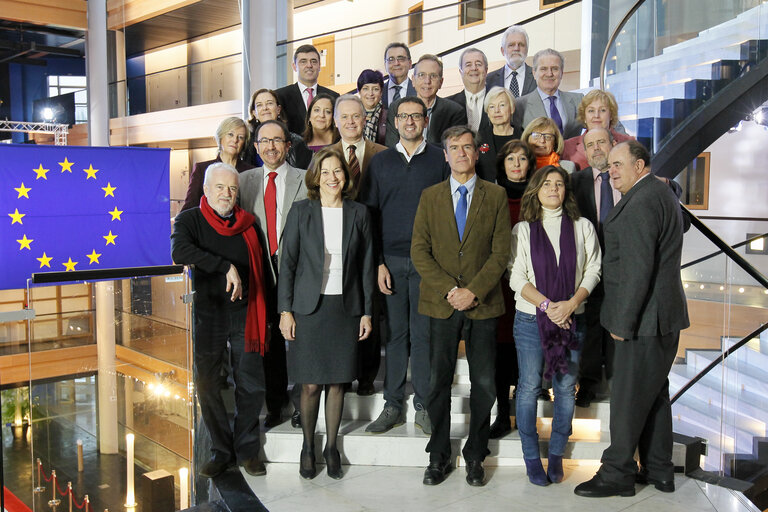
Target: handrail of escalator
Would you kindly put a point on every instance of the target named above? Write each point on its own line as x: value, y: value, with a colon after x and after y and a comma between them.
x: 613, y: 37
x: 718, y: 253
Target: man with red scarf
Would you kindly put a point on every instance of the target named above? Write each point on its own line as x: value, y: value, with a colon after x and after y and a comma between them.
x: 220, y: 240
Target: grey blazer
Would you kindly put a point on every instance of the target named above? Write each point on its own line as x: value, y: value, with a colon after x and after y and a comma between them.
x: 496, y: 78
x: 641, y: 266
x: 530, y: 106
x: 252, y: 200
x: 301, y: 267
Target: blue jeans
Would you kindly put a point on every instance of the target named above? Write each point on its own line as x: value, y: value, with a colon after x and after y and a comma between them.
x: 530, y: 358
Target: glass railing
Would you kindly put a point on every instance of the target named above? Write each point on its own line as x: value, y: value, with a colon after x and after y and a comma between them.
x: 103, y: 384
x: 668, y: 59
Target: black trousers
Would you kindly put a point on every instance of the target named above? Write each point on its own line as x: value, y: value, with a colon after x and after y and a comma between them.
x: 598, y: 346
x: 641, y: 415
x: 507, y: 373
x: 480, y: 341
x: 369, y: 351
x: 213, y: 328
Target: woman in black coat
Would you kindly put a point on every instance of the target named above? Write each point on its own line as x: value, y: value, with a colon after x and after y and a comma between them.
x: 496, y: 131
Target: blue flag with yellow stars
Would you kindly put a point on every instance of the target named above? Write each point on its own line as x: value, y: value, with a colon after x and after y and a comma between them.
x: 67, y: 208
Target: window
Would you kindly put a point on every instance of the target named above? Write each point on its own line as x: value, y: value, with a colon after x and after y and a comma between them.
x: 548, y: 4
x: 471, y: 12
x: 58, y: 85
x: 695, y: 182
x: 416, y: 24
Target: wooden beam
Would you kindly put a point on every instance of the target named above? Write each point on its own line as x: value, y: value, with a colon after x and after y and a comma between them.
x: 15, y: 369
x: 121, y: 13
x: 58, y: 13
x: 124, y: 355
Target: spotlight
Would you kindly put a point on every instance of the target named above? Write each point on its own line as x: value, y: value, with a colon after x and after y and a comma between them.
x: 48, y: 114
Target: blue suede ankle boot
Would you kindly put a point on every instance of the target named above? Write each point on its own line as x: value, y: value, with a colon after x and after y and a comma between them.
x: 555, y: 468
x: 535, y: 471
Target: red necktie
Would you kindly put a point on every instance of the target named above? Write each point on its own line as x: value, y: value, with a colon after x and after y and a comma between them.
x: 270, y: 205
x: 310, y: 96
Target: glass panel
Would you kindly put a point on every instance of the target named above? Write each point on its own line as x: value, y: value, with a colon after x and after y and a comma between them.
x: 72, y: 81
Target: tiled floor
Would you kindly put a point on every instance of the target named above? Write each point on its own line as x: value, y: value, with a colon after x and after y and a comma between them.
x: 384, y: 488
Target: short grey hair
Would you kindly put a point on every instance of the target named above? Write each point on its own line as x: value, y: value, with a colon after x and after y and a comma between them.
x: 472, y: 50
x: 219, y: 166
x: 347, y: 97
x: 544, y: 53
x: 496, y: 92
x: 514, y: 29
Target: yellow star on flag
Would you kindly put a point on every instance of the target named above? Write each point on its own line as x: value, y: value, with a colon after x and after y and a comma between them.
x: 66, y: 165
x: 69, y: 265
x: 45, y: 261
x: 16, y: 217
x: 109, y: 190
x: 94, y: 257
x: 24, y: 243
x: 110, y: 238
x: 116, y: 214
x: 41, y: 172
x: 22, y: 190
x: 91, y: 172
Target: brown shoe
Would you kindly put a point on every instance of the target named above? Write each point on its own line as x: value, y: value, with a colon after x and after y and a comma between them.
x: 254, y: 467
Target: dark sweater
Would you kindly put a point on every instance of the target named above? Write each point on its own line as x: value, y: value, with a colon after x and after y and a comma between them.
x: 392, y: 188
x: 195, y: 242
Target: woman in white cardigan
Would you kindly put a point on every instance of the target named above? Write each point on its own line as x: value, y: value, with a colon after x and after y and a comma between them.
x: 555, y: 265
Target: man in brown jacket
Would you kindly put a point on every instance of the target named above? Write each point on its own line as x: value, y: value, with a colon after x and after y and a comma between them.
x: 460, y: 247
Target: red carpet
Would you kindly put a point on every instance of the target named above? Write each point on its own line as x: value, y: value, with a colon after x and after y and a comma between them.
x: 14, y: 504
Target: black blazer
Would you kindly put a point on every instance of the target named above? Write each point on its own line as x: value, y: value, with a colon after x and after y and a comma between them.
x: 294, y: 106
x: 410, y: 91
x: 445, y: 113
x: 496, y: 78
x: 461, y: 99
x: 486, y: 162
x: 303, y: 257
x: 195, y: 188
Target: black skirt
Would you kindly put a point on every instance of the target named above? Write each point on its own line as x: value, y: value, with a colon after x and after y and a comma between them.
x: 325, y: 348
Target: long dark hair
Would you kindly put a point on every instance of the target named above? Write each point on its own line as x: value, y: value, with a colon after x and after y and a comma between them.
x: 308, y: 133
x: 530, y: 206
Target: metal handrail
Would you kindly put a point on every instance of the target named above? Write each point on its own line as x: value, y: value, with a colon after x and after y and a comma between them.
x: 105, y: 273
x: 613, y: 37
x: 718, y: 253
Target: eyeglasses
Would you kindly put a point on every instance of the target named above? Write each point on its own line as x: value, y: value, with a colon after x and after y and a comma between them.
x: 400, y: 59
x: 276, y: 141
x: 417, y: 116
x: 546, y: 136
x: 431, y: 76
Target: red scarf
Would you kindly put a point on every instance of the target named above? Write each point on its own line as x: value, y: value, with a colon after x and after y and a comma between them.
x: 551, y: 159
x: 256, y: 317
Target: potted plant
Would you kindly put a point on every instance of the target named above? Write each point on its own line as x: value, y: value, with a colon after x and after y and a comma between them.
x: 15, y: 410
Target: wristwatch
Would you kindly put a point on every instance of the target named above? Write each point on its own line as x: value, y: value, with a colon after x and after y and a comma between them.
x: 544, y: 305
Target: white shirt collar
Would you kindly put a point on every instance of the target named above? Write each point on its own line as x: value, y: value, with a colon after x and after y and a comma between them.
x: 419, y: 150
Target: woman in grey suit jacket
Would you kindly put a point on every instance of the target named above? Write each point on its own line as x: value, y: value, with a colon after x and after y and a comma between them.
x: 325, y: 294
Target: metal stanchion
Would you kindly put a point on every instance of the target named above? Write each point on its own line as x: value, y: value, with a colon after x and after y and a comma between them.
x: 69, y: 493
x: 40, y: 487
x: 54, y: 501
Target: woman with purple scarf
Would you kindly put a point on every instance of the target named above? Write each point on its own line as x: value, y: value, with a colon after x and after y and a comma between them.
x: 555, y: 265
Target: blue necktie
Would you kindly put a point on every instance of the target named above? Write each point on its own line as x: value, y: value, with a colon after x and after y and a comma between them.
x: 554, y: 114
x: 606, y: 196
x: 461, y: 211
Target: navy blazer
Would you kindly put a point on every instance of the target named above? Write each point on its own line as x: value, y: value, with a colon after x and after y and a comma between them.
x: 294, y: 106
x: 445, y: 113
x: 410, y: 91
x: 303, y: 259
x: 496, y: 78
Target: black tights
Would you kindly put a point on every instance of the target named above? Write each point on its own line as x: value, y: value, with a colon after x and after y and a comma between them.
x: 310, y: 405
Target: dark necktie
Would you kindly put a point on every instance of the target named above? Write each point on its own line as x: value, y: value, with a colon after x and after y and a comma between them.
x: 513, y: 87
x: 270, y: 208
x: 461, y: 211
x: 606, y: 196
x: 396, y: 96
x: 354, y: 164
x: 554, y: 114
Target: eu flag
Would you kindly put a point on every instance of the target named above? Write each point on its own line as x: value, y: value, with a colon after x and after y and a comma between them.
x: 67, y: 208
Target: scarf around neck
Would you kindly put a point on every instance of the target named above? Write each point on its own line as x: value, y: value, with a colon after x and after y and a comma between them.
x: 551, y: 159
x: 371, y: 130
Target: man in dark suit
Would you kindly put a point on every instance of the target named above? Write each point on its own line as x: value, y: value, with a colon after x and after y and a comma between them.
x: 460, y: 247
x: 441, y: 113
x: 644, y: 310
x: 561, y: 106
x: 268, y: 193
x: 397, y: 60
x: 473, y: 67
x: 515, y: 75
x: 295, y: 98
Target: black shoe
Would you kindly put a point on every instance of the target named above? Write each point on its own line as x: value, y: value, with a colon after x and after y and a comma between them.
x: 213, y: 468
x: 436, y: 472
x: 544, y: 395
x: 254, y: 467
x: 272, y: 419
x: 597, y: 488
x: 365, y: 388
x: 500, y: 427
x: 584, y: 397
x: 475, y: 473
x: 307, y: 467
x: 660, y: 485
x: 296, y: 419
x: 333, y: 463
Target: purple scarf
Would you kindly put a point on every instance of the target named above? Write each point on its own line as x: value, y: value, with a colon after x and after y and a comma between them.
x: 556, y: 282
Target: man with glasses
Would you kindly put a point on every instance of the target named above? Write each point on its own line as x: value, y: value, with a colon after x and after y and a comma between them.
x: 391, y: 189
x: 473, y: 67
x: 442, y: 113
x: 296, y: 97
x: 268, y: 193
x: 397, y: 60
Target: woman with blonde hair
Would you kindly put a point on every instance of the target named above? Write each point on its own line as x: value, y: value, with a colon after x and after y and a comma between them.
x: 544, y: 138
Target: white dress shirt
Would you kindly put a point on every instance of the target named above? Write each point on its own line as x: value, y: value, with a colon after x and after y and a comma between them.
x: 455, y: 194
x: 420, y: 149
x: 474, y: 107
x: 558, y: 103
x: 520, y: 77
x: 391, y: 85
x: 305, y: 92
x: 359, y: 151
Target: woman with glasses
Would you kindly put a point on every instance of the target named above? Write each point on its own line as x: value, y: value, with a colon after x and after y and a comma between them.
x: 320, y: 128
x: 265, y: 106
x: 232, y: 139
x: 370, y: 85
x: 555, y: 265
x: 325, y: 295
x: 543, y: 136
x: 499, y: 107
